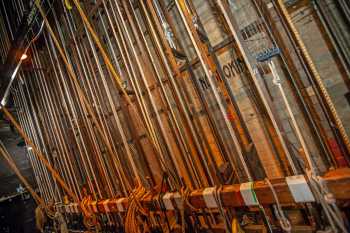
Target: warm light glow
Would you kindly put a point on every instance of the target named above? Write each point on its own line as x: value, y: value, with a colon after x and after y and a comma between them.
x: 24, y: 56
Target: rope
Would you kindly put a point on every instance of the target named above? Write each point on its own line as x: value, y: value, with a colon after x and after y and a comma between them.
x: 135, y: 209
x: 161, y: 203
x: 89, y: 218
x: 221, y: 208
x: 185, y: 193
x: 284, y: 222
x: 317, y: 78
x: 40, y: 218
x: 59, y: 218
x: 80, y: 92
x: 117, y: 80
x: 49, y: 212
x: 15, y: 169
x: 183, y: 221
x: 42, y: 209
x: 261, y: 208
x: 39, y: 154
x: 327, y: 201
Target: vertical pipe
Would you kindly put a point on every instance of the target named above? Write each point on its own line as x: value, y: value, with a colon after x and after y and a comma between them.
x: 316, y: 77
x: 255, y: 76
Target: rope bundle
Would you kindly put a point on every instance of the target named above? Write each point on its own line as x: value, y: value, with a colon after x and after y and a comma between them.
x: 61, y: 222
x: 40, y: 218
x: 134, y: 210
x: 89, y: 219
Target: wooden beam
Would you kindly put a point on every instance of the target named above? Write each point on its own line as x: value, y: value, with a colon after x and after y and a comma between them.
x: 336, y: 181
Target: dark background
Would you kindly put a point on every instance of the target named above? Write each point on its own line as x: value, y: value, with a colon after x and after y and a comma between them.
x: 16, y: 210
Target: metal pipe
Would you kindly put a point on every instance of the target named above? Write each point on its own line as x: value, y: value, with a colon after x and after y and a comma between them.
x: 184, y: 111
x: 304, y: 100
x: 14, y: 168
x: 255, y: 75
x: 32, y: 159
x: 151, y: 98
x: 277, y: 81
x: 55, y: 127
x: 141, y: 67
x: 196, y: 83
x: 7, y: 19
x: 181, y: 8
x: 70, y: 109
x: 104, y: 128
x: 38, y: 165
x: 74, y: 78
x: 31, y: 131
x: 41, y: 138
x: 317, y: 79
x: 136, y: 84
x: 333, y: 36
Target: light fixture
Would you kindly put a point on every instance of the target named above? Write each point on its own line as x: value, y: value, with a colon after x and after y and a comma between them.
x: 24, y: 56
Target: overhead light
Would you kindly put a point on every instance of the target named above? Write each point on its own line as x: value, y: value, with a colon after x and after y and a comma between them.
x: 24, y: 56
